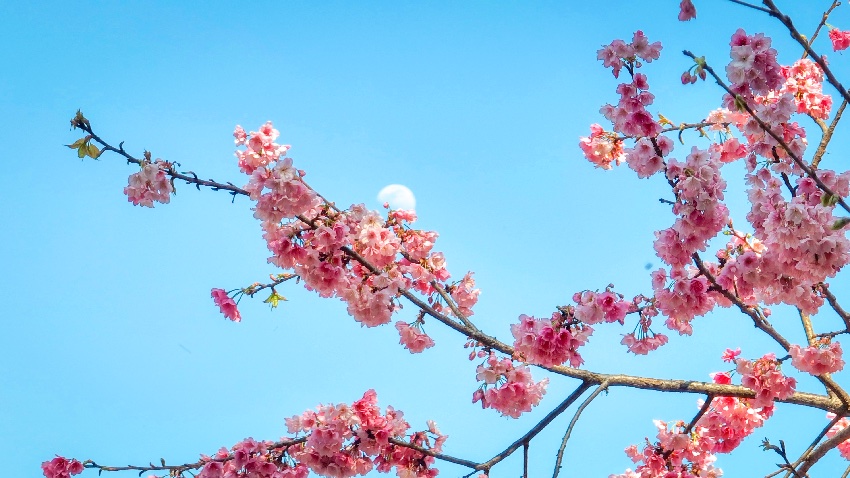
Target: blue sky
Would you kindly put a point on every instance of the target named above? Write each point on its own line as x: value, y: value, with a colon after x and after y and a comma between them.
x: 112, y: 348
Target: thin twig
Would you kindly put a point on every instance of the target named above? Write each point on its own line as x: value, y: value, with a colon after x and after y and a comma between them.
x: 827, y: 136
x: 536, y: 428
x: 602, y: 387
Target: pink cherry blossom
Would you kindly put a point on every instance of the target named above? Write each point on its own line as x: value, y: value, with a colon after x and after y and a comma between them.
x: 840, y: 39
x: 465, y: 294
x: 226, y: 304
x: 547, y: 342
x: 687, y: 10
x: 764, y: 377
x: 150, y: 184
x: 731, y: 355
x: 817, y: 359
x: 412, y: 337
x: 601, y: 149
x: 510, y: 390
x: 61, y: 467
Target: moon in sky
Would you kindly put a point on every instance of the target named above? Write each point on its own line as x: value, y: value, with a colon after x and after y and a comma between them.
x: 398, y: 196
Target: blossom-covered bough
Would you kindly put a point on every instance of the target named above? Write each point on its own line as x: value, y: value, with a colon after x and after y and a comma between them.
x: 795, y: 242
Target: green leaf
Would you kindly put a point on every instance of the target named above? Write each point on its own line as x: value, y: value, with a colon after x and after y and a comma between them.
x: 81, y: 151
x: 274, y: 298
x: 92, y: 151
x: 76, y: 144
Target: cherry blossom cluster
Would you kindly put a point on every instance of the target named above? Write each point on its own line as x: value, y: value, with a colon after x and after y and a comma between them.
x: 507, y: 389
x: 345, y: 441
x: 753, y: 69
x: 840, y: 39
x: 775, y: 112
x: 322, y: 243
x: 413, y: 337
x: 817, y: 359
x: 630, y: 116
x: 253, y: 458
x: 723, y: 426
x: 729, y: 420
x: 698, y: 186
x: 644, y: 157
x: 60, y: 467
x: 602, y: 148
x: 620, y: 54
x: 800, y: 247
x: 685, y: 296
x: 549, y: 342
x: 675, y: 453
x: 804, y: 81
x: 642, y: 339
x: 150, y: 184
x: 555, y: 341
x: 841, y: 424
x: 341, y: 441
x: 765, y: 378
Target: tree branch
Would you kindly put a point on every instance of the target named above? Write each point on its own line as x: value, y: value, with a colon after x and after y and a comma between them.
x: 560, y: 456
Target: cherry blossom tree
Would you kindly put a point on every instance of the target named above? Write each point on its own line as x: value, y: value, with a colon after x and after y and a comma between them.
x: 785, y: 256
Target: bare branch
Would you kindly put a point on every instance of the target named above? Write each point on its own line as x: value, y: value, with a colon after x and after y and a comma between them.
x: 601, y: 388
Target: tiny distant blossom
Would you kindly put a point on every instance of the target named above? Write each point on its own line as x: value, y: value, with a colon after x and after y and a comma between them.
x: 840, y: 39
x: 731, y: 355
x: 817, y: 360
x: 239, y: 136
x: 226, y: 304
x: 150, y: 184
x: 687, y: 10
x: 61, y: 467
x: 413, y: 338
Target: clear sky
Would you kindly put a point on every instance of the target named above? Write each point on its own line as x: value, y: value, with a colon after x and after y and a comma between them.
x: 111, y: 346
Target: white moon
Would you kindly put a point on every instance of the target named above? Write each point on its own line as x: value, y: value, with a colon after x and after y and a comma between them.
x: 398, y: 196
